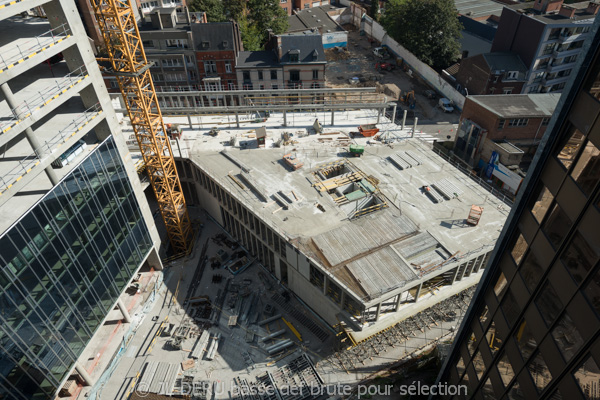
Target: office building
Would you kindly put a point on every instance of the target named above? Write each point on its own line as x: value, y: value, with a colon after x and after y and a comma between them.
x: 533, y: 331
x: 75, y: 225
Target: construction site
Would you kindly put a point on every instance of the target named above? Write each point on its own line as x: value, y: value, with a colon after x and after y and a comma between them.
x: 252, y: 244
x: 313, y: 264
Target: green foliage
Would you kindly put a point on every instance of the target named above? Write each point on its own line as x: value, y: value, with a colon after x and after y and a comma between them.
x: 427, y: 28
x: 250, y: 35
x: 215, y: 12
x: 374, y: 10
x: 235, y: 9
x: 267, y: 14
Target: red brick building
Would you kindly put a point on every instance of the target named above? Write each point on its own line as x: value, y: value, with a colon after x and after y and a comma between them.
x: 492, y: 73
x: 510, y: 125
x: 217, y: 46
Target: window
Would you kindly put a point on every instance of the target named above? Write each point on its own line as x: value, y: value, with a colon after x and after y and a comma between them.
x: 285, y: 9
x: 315, y: 74
x: 261, y: 87
x: 539, y: 372
x: 260, y: 75
x: 317, y: 277
x: 273, y: 74
x: 512, y: 75
x: 586, y: 171
x: 501, y: 123
x: 230, y: 85
x: 567, y: 337
x: 210, y: 67
x: 295, y: 76
x: 518, y: 122
x: 519, y: 249
x: 510, y: 308
x: 246, y: 75
x: 294, y: 55
x: 579, y: 257
x: 306, y: 5
x: 228, y: 67
x: 531, y: 271
x: 548, y: 49
x: 548, y: 303
x: 507, y: 91
x: 283, y: 1
x: 192, y: 75
x: 525, y: 340
x: 500, y: 286
x: 557, y: 226
x: 541, y: 203
x: 114, y: 84
x: 587, y: 376
x: 275, y: 87
x: 148, y: 43
x: 570, y: 148
x: 176, y: 43
x: 158, y: 77
x: 545, y: 121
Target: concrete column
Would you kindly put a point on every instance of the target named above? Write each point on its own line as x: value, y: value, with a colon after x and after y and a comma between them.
x: 284, y: 118
x: 418, y: 292
x: 378, y: 115
x: 237, y: 119
x: 189, y: 118
x: 332, y: 117
x: 394, y: 113
x: 455, y: 275
x: 29, y: 134
x: 461, y: 275
x: 123, y: 309
x: 378, y: 313
x: 398, y: 301
x: 87, y: 379
x: 414, y: 127
x: 404, y: 119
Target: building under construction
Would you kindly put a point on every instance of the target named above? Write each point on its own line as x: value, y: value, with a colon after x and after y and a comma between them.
x: 365, y: 241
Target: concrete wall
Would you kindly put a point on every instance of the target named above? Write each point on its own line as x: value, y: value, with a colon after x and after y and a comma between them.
x: 376, y: 31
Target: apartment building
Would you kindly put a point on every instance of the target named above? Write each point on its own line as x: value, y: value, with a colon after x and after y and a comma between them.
x: 217, y: 45
x: 548, y: 36
x: 533, y: 331
x: 75, y: 225
x: 510, y: 125
x: 492, y: 73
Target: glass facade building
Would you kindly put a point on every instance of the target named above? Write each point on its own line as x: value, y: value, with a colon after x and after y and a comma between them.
x: 64, y: 265
x: 533, y: 328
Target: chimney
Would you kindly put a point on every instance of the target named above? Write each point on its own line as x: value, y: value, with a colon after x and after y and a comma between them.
x: 592, y: 8
x: 567, y: 11
x: 279, y: 49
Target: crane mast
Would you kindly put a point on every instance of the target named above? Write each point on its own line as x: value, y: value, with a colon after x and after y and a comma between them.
x: 126, y: 55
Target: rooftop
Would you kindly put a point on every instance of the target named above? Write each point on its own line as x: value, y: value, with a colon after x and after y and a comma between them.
x: 504, y: 62
x: 315, y: 17
x: 519, y: 105
x: 213, y: 36
x: 478, y: 8
x: 581, y: 15
x: 257, y: 59
x: 309, y: 45
x: 369, y: 222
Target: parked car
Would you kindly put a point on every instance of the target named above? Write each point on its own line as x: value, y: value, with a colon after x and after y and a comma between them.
x: 446, y: 105
x: 381, y: 52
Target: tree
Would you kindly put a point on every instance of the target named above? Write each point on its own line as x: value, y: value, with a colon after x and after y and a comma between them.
x: 427, y: 28
x: 215, y: 12
x: 374, y: 10
x: 267, y: 14
x: 250, y: 35
x: 235, y: 9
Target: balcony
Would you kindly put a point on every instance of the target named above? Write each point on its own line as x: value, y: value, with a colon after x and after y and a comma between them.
x: 566, y: 38
x: 554, y: 67
x: 566, y: 52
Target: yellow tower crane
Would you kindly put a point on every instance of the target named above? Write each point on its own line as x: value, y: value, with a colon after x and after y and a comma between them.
x: 132, y: 70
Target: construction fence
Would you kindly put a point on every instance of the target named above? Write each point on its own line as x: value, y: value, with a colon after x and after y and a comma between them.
x: 374, y: 30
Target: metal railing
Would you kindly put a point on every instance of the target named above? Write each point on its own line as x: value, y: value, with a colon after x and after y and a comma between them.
x: 500, y: 195
x: 14, y: 54
x: 44, y: 97
x: 28, y: 163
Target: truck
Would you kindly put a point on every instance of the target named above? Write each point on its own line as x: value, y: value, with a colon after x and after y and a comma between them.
x: 368, y: 130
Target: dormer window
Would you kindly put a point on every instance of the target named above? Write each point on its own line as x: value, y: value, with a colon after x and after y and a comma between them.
x: 512, y: 74
x: 205, y: 45
x: 315, y: 55
x: 294, y: 55
x: 225, y: 43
